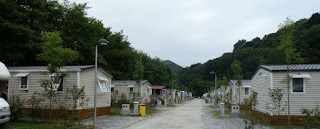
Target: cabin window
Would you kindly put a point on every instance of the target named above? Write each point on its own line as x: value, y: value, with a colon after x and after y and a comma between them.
x: 131, y: 90
x: 103, y: 84
x: 148, y: 91
x: 297, y: 85
x: 57, y: 82
x: 24, y: 83
x: 246, y: 91
x: 60, y: 88
x: 112, y: 89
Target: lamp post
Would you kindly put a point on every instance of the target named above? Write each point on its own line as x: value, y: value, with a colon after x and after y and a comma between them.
x: 99, y: 42
x: 172, y: 99
x: 215, y: 83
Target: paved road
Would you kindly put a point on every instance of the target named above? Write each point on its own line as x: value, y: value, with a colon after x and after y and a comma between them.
x: 186, y: 116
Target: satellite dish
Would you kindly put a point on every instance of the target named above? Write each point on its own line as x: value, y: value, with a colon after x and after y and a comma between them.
x: 4, y: 73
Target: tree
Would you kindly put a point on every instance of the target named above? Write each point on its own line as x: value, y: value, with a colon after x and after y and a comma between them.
x: 286, y: 30
x: 236, y: 67
x: 56, y: 56
x: 224, y: 85
x: 139, y: 75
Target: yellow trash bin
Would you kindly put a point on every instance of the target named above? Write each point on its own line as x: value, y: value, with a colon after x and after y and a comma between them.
x: 142, y: 109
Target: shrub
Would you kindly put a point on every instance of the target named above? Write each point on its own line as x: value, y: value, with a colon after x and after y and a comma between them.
x: 123, y: 100
x: 310, y: 121
x: 16, y: 107
x: 36, y: 103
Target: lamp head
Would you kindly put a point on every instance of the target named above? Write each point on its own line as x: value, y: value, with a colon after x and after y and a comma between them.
x: 102, y: 42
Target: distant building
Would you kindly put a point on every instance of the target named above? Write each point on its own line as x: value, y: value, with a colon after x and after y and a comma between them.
x: 134, y: 91
x: 245, y: 90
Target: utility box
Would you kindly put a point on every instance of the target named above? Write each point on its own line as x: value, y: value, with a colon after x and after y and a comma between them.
x: 221, y: 109
x: 125, y: 109
x: 159, y: 103
x: 235, y: 111
x: 136, y: 108
x: 165, y: 102
x: 142, y: 109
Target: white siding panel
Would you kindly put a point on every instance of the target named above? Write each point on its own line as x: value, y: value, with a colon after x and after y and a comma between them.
x: 261, y: 85
x: 87, y: 80
x: 308, y: 100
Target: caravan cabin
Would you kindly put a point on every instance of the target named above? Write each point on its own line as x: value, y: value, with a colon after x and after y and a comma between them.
x: 26, y: 80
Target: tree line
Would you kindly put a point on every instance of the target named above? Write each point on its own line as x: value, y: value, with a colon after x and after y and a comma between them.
x: 252, y: 54
x: 22, y: 22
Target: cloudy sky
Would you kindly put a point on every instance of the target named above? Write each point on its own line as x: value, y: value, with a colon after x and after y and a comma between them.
x: 195, y: 31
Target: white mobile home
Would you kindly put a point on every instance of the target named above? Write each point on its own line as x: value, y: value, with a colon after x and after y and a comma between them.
x: 304, y: 87
x: 25, y: 81
x: 133, y: 91
x: 244, y: 89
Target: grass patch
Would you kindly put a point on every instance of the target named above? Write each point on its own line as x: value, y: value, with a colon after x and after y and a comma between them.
x: 171, y: 105
x: 217, y: 113
x: 39, y: 125
x: 151, y: 111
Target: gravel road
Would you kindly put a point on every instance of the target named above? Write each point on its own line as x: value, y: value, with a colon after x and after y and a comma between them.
x: 194, y: 114
x: 186, y: 116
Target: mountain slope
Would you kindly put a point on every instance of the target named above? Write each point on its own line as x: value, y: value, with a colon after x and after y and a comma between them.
x: 173, y: 65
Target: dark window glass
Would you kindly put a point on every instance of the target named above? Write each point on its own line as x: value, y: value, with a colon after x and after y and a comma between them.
x: 297, y: 85
x: 24, y: 80
x: 60, y: 88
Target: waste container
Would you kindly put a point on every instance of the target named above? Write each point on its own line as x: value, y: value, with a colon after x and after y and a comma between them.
x: 142, y: 109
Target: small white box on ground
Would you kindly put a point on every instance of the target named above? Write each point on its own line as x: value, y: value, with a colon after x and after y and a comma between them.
x: 125, y: 109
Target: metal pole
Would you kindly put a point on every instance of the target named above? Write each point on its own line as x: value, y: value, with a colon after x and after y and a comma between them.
x: 215, y: 85
x: 172, y: 92
x: 95, y: 88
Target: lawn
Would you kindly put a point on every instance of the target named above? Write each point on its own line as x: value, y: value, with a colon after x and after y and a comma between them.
x: 38, y: 125
x: 217, y: 113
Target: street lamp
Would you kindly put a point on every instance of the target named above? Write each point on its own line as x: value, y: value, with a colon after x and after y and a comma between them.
x: 172, y: 99
x: 99, y: 42
x: 215, y: 83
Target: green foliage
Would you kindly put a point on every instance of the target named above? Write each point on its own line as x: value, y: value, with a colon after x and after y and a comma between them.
x: 68, y: 33
x: 276, y: 97
x: 286, y: 42
x: 236, y: 68
x: 138, y: 74
x: 312, y: 118
x: 264, y: 51
x: 37, y: 107
x: 16, y: 107
x: 173, y: 65
x: 53, y: 52
x: 123, y: 99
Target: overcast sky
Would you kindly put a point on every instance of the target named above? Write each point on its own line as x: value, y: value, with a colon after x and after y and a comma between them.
x: 195, y: 31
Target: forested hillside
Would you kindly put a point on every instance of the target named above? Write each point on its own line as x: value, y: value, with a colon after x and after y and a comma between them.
x: 254, y: 53
x: 21, y: 23
x: 173, y: 65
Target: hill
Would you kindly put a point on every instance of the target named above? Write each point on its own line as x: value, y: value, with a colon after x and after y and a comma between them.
x: 258, y: 51
x: 173, y: 65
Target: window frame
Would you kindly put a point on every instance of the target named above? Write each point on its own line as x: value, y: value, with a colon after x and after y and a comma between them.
x: 101, y: 86
x: 130, y: 90
x: 248, y: 91
x: 60, y: 84
x: 112, y: 91
x: 303, y: 85
x: 20, y: 84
